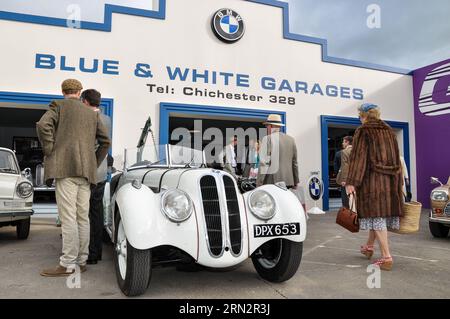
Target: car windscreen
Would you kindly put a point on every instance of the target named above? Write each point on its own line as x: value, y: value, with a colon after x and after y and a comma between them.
x: 146, y: 156
x: 182, y: 156
x: 7, y: 163
x: 162, y: 155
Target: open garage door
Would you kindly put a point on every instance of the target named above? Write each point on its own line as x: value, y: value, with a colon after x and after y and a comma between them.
x: 18, y: 132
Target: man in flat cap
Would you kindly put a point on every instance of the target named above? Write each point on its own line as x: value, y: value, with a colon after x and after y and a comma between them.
x: 68, y: 132
x: 278, y: 161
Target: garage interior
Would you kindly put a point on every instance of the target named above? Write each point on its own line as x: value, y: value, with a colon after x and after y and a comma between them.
x: 18, y: 133
x: 221, y: 122
x: 335, y: 136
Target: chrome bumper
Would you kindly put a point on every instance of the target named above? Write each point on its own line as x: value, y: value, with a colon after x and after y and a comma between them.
x: 440, y: 220
x: 22, y: 213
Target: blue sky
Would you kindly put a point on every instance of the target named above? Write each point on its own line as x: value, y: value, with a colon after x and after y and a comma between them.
x: 412, y: 33
x: 92, y: 11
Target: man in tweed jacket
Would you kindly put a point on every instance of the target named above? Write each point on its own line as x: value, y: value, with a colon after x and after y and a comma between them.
x: 68, y: 132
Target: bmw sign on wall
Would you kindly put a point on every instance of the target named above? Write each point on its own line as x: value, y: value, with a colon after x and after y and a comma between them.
x: 228, y: 25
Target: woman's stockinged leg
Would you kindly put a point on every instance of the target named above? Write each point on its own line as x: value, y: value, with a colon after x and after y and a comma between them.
x: 382, y: 236
x: 372, y: 238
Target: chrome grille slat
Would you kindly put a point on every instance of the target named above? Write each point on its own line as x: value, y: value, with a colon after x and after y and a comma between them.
x: 234, y: 219
x: 211, y: 209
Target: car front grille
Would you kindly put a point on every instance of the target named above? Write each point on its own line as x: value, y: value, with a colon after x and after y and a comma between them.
x: 213, y: 218
x: 447, y: 210
x: 234, y: 218
x: 217, y: 218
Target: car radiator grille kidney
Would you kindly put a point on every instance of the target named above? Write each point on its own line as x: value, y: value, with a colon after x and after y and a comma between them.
x: 211, y: 209
x: 217, y: 215
x: 234, y: 219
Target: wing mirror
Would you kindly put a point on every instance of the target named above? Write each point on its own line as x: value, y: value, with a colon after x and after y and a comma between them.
x: 435, y: 180
x: 26, y: 172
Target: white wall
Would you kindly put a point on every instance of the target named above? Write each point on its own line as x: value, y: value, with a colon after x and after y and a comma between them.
x: 185, y: 39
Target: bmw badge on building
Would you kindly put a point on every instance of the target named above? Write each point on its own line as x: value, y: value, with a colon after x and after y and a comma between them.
x: 228, y: 25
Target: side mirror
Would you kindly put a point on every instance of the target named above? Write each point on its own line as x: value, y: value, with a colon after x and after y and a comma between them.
x: 26, y: 172
x: 435, y: 180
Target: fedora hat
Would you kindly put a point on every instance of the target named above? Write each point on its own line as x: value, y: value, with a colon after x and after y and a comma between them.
x: 274, y: 119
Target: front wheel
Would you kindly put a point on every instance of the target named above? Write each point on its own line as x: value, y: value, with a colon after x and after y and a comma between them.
x: 23, y: 228
x: 278, y: 259
x: 133, y: 266
x: 438, y: 230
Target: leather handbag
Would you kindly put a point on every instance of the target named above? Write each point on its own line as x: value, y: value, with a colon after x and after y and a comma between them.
x: 348, y: 218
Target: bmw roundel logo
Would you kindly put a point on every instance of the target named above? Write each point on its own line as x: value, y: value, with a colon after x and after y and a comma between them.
x: 228, y: 25
x: 315, y: 188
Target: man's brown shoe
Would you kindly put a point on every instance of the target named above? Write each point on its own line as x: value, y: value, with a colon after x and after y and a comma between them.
x: 59, y: 271
x: 83, y: 268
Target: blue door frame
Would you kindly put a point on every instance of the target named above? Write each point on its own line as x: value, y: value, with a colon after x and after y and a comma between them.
x: 43, y: 100
x: 326, y: 121
x: 166, y: 109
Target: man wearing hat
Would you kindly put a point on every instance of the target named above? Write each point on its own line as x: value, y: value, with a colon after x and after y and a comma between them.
x: 278, y: 156
x: 68, y: 132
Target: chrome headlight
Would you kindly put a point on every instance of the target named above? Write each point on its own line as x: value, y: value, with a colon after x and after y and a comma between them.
x: 441, y: 196
x: 262, y: 204
x: 24, y: 190
x: 176, y: 205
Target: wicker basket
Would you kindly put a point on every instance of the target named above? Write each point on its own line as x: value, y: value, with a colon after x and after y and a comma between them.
x: 410, y: 221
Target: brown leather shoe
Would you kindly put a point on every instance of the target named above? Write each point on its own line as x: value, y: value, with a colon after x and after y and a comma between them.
x: 83, y: 268
x: 59, y: 271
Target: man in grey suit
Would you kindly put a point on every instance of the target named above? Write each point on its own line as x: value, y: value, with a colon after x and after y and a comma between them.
x: 93, y: 98
x: 278, y: 156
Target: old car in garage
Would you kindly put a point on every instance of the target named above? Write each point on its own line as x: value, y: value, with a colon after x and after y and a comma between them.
x: 167, y: 208
x: 16, y: 194
x: 439, y: 220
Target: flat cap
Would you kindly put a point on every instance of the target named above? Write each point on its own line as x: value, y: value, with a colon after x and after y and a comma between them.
x: 71, y: 84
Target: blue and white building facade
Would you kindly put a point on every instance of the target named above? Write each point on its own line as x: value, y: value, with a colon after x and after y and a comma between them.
x: 161, y: 57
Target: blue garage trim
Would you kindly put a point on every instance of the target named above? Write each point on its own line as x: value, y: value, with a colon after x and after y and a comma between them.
x: 161, y: 14
x: 105, y: 26
x: 326, y: 121
x: 190, y: 109
x: 107, y: 105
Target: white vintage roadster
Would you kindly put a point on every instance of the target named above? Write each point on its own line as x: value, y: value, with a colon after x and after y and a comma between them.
x: 16, y: 194
x: 168, y: 207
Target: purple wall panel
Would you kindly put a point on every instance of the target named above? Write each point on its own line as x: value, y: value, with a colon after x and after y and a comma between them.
x: 432, y: 122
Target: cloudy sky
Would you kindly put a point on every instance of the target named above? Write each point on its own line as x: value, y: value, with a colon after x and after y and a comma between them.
x: 412, y: 34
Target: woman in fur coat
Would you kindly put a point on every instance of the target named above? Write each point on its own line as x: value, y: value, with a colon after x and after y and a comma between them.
x: 375, y: 175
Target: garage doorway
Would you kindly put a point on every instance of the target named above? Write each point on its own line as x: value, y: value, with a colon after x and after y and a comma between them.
x: 333, y: 129
x: 174, y: 116
x: 19, y: 113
